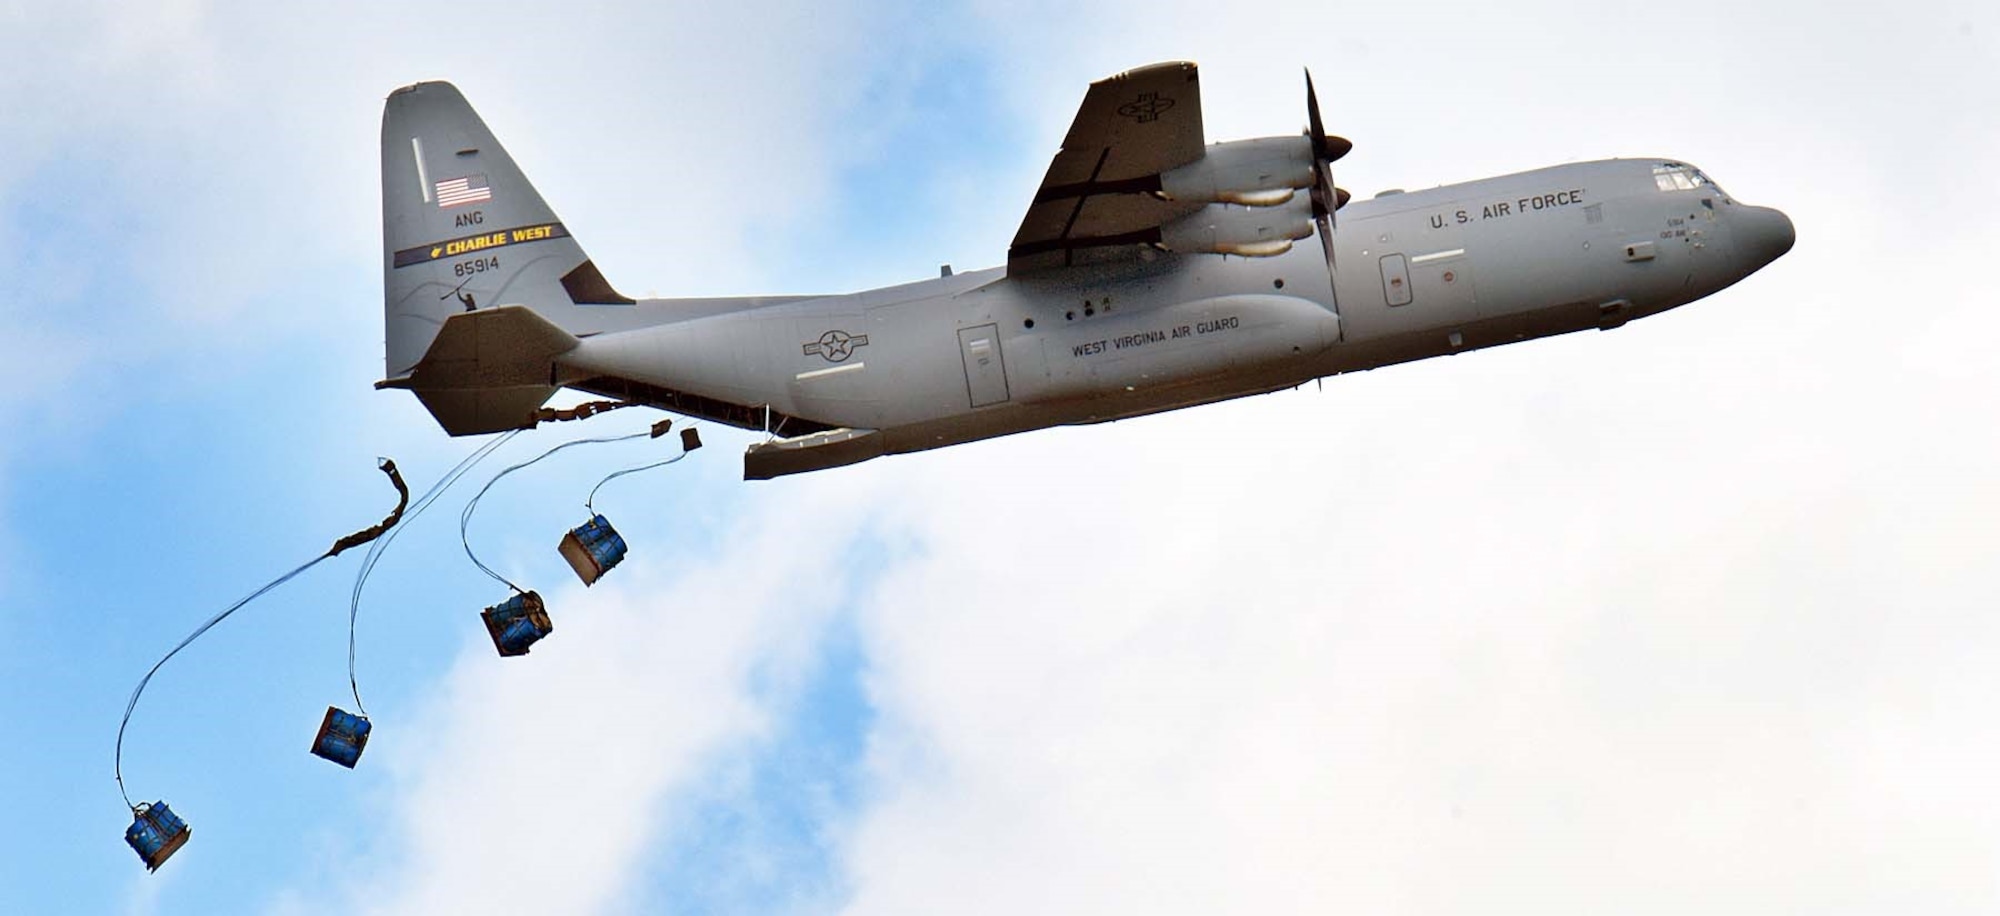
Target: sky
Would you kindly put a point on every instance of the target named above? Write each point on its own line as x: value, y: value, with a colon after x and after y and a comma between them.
x: 1692, y: 616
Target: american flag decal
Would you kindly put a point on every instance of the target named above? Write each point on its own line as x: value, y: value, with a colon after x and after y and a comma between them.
x: 468, y: 190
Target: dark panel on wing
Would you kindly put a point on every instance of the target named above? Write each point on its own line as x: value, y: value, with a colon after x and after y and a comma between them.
x: 1097, y: 193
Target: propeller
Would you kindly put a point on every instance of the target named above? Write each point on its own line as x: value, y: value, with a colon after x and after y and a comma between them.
x: 1326, y: 198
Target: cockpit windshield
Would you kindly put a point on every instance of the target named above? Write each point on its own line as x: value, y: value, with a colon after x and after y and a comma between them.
x: 1673, y: 176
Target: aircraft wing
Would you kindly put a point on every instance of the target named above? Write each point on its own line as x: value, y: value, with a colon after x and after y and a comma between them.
x: 1095, y: 203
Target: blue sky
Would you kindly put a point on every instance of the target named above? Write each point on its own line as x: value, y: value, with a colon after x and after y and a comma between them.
x: 1702, y: 605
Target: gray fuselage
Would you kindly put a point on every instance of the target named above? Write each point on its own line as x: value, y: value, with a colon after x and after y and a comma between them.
x: 1420, y: 274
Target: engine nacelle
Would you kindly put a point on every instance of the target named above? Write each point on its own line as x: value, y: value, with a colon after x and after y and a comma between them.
x: 1252, y: 232
x: 1260, y: 173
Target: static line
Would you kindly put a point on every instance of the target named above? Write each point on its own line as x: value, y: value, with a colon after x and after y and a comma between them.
x: 118, y: 751
x: 590, y: 502
x: 364, y: 536
x: 375, y: 550
x: 465, y: 516
x: 1437, y: 256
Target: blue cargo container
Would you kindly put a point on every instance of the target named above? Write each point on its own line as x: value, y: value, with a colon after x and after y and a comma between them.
x: 156, y: 833
x: 342, y: 736
x: 517, y: 623
x: 592, y: 549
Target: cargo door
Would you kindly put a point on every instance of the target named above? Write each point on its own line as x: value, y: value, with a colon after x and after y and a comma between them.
x: 985, y: 373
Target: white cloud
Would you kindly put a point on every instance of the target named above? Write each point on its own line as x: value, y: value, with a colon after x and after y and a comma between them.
x: 1690, y: 616
x: 1428, y: 656
x: 546, y: 779
x: 1657, y: 620
x: 222, y: 156
x: 1684, y: 617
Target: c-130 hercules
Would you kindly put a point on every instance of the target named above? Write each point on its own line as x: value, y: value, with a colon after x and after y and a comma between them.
x: 1152, y: 272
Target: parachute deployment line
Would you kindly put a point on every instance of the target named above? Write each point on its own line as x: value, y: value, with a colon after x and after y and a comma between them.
x: 583, y: 411
x: 375, y: 550
x: 360, y: 537
x: 118, y: 759
x: 465, y: 517
x: 589, y: 502
x: 368, y: 534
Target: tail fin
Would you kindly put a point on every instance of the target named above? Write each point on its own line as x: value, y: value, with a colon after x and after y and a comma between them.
x: 463, y: 231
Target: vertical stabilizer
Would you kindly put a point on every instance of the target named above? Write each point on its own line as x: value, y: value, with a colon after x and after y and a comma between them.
x: 464, y: 232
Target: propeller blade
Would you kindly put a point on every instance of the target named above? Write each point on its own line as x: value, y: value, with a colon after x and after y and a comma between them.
x: 1324, y: 147
x: 1325, y: 238
x: 1326, y: 198
x: 1315, y: 128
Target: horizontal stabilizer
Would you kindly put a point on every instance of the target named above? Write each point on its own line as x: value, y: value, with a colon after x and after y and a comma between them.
x: 487, y: 371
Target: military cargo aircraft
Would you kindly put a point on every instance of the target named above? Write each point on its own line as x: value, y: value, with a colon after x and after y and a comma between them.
x: 1153, y: 271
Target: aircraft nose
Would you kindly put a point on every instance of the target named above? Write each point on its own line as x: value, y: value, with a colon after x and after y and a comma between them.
x: 1762, y: 235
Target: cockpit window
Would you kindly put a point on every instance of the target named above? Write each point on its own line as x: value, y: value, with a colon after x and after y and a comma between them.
x: 1673, y: 176
x: 1678, y: 177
